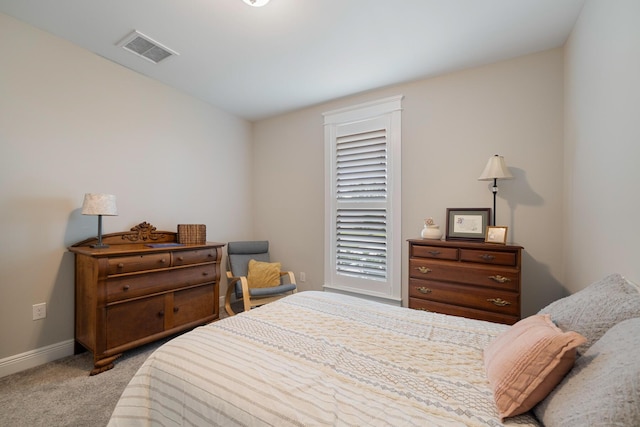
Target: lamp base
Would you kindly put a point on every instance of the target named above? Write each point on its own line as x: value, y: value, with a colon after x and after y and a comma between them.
x: 100, y: 246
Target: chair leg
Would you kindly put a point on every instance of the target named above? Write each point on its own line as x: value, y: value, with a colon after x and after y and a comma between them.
x: 227, y: 301
x: 247, y: 304
x: 246, y: 296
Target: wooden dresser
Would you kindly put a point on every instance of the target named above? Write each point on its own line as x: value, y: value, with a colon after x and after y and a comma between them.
x: 130, y: 294
x: 475, y: 280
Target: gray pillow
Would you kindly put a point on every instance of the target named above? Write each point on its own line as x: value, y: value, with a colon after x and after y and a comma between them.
x: 603, y: 388
x: 594, y: 310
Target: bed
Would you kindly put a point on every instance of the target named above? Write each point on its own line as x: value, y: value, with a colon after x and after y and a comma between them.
x: 322, y: 359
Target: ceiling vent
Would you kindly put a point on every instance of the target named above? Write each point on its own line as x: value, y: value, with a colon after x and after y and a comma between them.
x: 146, y: 47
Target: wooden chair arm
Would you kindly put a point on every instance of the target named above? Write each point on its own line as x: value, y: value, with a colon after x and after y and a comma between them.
x: 231, y: 278
x: 231, y: 285
x: 292, y: 278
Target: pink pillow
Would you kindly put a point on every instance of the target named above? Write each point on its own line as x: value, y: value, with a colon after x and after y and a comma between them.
x: 527, y: 361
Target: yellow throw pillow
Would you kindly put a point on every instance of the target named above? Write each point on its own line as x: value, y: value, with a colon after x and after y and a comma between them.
x: 527, y: 361
x: 263, y: 274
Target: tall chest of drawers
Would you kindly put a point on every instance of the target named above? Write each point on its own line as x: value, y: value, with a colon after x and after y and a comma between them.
x: 469, y: 279
x: 141, y: 288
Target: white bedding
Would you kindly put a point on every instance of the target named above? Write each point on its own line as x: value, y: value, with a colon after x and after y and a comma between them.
x: 319, y: 359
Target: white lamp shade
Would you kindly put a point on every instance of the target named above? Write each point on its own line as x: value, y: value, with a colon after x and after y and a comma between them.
x: 495, y: 169
x: 99, y: 204
x: 256, y: 3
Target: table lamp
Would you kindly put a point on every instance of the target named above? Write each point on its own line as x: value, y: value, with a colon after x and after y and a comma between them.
x: 99, y: 204
x: 496, y: 169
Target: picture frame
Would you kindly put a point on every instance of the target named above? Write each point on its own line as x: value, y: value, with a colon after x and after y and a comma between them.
x: 467, y: 223
x: 496, y: 234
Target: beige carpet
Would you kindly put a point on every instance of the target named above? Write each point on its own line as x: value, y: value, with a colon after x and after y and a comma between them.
x: 62, y: 393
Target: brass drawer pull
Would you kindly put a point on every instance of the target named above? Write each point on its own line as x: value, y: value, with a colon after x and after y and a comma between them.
x: 120, y: 265
x: 500, y: 279
x: 499, y: 302
x: 435, y: 253
x: 423, y: 270
x: 163, y: 261
x: 125, y: 288
x: 423, y: 290
x: 487, y: 257
x: 180, y: 258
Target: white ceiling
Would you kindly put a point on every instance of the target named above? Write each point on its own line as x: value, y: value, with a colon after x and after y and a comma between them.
x: 260, y: 62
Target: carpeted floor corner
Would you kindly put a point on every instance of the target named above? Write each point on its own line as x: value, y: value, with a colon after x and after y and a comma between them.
x: 61, y: 393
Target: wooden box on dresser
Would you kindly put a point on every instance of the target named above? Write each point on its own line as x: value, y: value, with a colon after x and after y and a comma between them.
x: 131, y: 293
x: 469, y: 279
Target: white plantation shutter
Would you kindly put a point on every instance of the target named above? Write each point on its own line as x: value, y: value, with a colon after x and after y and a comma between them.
x: 361, y: 176
x: 361, y: 243
x: 361, y: 166
x: 363, y: 193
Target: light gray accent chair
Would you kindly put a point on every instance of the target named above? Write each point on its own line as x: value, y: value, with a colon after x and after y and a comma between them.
x: 238, y: 256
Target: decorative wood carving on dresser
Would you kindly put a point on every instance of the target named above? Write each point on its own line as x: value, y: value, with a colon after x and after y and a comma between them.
x: 130, y: 294
x: 476, y: 280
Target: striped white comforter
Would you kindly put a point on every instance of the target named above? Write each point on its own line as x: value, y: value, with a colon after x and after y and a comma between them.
x: 319, y: 359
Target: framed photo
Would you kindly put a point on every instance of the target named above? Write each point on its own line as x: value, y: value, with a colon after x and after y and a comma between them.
x: 467, y: 223
x: 496, y: 235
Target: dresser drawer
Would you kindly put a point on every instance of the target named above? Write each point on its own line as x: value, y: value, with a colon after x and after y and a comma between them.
x: 134, y: 320
x: 191, y: 305
x: 488, y: 257
x: 478, y: 298
x: 479, y: 275
x: 455, y: 310
x: 434, y: 252
x: 194, y: 257
x: 137, y: 285
x: 127, y: 264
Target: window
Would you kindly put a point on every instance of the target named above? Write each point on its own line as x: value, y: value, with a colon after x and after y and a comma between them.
x: 362, y: 218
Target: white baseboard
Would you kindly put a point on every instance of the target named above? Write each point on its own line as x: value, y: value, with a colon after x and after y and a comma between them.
x: 31, y: 359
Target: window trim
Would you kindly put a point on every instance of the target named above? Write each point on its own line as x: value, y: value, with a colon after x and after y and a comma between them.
x: 389, y: 109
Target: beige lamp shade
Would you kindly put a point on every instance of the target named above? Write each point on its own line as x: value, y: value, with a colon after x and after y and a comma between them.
x: 496, y: 169
x: 99, y: 204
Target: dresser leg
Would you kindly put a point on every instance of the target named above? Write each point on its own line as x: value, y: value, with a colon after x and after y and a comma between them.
x: 103, y: 364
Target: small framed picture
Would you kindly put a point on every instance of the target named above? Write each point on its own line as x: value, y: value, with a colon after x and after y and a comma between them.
x: 496, y: 235
x: 467, y: 223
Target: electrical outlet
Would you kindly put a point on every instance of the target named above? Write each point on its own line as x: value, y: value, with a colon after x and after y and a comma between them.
x: 303, y: 276
x: 39, y: 311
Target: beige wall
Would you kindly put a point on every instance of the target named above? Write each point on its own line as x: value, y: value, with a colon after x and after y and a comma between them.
x: 451, y: 125
x: 602, y: 147
x: 72, y: 122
